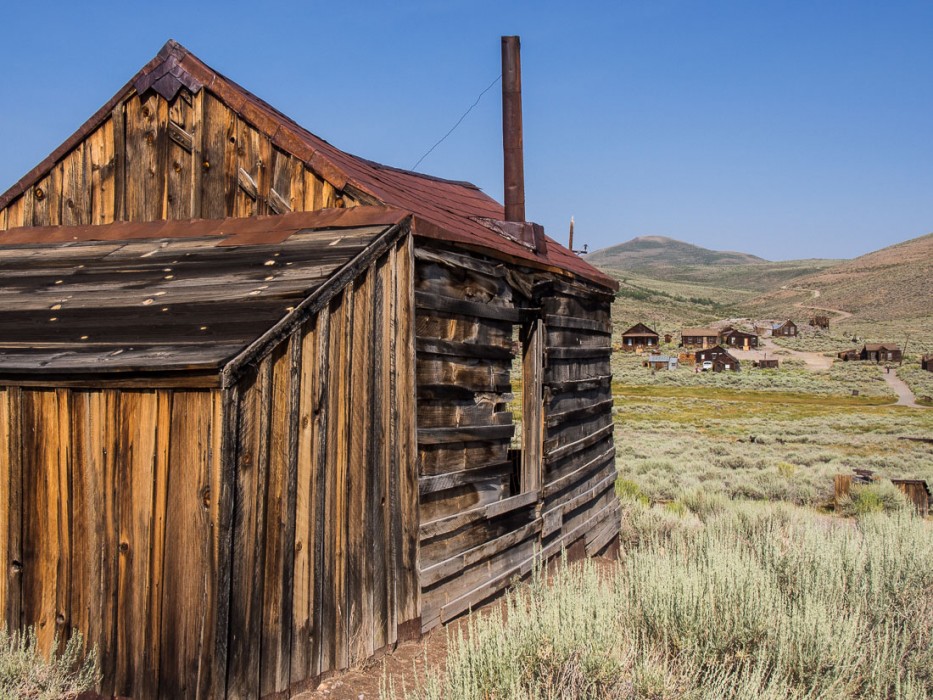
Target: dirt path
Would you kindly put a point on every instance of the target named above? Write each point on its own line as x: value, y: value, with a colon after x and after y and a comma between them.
x: 816, y: 294
x: 767, y: 347
x: 905, y: 397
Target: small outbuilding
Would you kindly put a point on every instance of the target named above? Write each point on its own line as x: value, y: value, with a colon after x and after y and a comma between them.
x: 848, y: 355
x: 768, y: 364
x: 662, y: 362
x: 639, y: 336
x: 917, y: 492
x: 699, y: 337
x: 784, y: 329
x: 881, y: 352
x: 926, y: 362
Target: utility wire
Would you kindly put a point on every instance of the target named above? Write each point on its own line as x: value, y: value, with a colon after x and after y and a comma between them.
x: 459, y: 121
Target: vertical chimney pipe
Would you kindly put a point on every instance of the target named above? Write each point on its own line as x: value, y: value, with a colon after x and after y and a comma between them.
x: 514, y: 165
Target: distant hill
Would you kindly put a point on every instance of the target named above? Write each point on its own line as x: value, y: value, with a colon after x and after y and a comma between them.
x: 892, y: 283
x: 645, y: 252
x: 670, y: 260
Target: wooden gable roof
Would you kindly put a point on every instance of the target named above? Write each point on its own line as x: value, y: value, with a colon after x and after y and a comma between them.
x: 171, y: 296
x: 640, y: 330
x: 445, y: 210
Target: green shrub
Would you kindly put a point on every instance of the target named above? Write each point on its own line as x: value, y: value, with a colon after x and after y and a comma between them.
x: 880, y: 497
x: 628, y: 490
x: 26, y: 673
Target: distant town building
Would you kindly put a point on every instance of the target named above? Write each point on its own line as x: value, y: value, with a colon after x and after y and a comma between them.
x: 639, y: 335
x: 926, y: 362
x: 662, y: 362
x: 848, y: 355
x: 881, y: 352
x: 734, y: 338
x: 786, y: 329
x: 722, y: 360
x: 699, y: 337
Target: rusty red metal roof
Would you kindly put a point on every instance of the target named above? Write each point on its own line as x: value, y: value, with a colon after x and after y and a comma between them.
x: 445, y: 210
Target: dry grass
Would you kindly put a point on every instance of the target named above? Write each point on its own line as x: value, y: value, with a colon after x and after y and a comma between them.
x: 740, y: 601
x: 26, y: 673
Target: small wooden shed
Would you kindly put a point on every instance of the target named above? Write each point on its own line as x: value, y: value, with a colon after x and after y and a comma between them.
x: 917, y: 492
x: 926, y: 362
x: 784, y: 329
x: 255, y: 394
x: 639, y: 336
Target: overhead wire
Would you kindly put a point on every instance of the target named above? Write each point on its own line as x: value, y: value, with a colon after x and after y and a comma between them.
x: 459, y: 121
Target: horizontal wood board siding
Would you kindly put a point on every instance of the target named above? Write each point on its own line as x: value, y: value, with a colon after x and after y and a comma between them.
x: 478, y: 529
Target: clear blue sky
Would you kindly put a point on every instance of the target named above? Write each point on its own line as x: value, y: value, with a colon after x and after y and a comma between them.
x: 781, y: 128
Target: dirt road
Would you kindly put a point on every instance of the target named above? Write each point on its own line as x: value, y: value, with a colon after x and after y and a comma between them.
x: 905, y: 397
x: 767, y: 349
x: 816, y: 294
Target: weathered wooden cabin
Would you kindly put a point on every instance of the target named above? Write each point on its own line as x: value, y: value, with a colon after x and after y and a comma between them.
x: 699, y: 337
x: 733, y: 337
x: 880, y: 352
x: 710, y: 353
x: 254, y: 393
x: 639, y: 336
x: 784, y: 329
x: 926, y: 362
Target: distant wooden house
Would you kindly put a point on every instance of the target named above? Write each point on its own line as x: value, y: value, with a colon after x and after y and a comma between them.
x: 668, y: 338
x: 726, y: 363
x: 254, y: 395
x: 881, y: 352
x: 926, y: 362
x: 735, y: 338
x: 917, y: 492
x: 785, y: 329
x: 639, y: 336
x: 662, y: 362
x: 710, y: 353
x: 699, y: 337
x: 820, y: 322
x: 767, y: 364
x: 848, y: 355
x: 720, y: 357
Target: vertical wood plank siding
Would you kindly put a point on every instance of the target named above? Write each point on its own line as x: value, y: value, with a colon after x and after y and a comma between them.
x: 189, y: 158
x: 480, y: 523
x: 110, y: 488
x: 321, y: 439
x: 238, y: 542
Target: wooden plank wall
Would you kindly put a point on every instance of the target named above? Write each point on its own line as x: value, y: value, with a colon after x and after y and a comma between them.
x: 479, y: 525
x: 326, y: 507
x: 578, y: 496
x: 189, y: 158
x: 109, y: 526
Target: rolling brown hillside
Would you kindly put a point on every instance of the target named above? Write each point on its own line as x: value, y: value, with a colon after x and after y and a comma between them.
x: 892, y: 283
